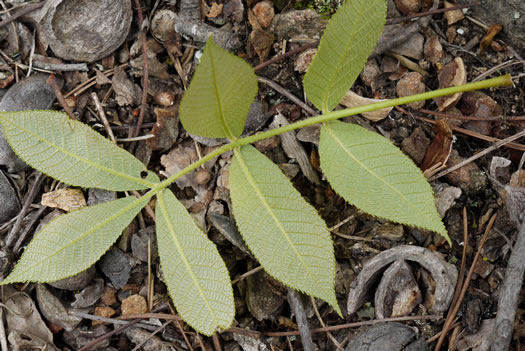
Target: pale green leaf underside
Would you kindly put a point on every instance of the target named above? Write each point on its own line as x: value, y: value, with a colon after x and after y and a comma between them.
x: 71, y: 243
x: 348, y: 40
x: 281, y: 229
x: 72, y: 152
x: 193, y: 270
x: 220, y: 95
x: 371, y: 173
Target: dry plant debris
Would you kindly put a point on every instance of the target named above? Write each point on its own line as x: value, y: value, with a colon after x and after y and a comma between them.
x: 425, y: 47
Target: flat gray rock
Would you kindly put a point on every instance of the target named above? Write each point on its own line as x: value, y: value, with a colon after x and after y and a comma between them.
x: 386, y: 337
x: 32, y: 93
x: 9, y: 206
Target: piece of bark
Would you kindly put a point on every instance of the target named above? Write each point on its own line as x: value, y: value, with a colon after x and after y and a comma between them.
x: 227, y: 227
x: 509, y: 294
x: 294, y: 149
x: 200, y: 32
x: 397, y: 293
x: 383, y: 337
x: 301, y: 319
x: 444, y: 274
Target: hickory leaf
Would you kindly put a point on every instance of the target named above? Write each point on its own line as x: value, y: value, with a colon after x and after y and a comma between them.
x: 282, y: 230
x: 348, y: 40
x: 375, y: 176
x: 196, y: 276
x: 71, y: 243
x: 220, y: 95
x: 72, y: 152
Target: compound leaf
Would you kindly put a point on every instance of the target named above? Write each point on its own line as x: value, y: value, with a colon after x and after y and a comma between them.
x: 283, y: 231
x: 71, y: 243
x: 348, y: 40
x: 72, y: 152
x: 196, y: 276
x: 375, y: 176
x: 220, y: 95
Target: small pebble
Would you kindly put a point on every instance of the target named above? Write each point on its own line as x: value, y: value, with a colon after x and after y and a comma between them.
x: 264, y: 12
x: 135, y: 304
x: 102, y: 311
x: 109, y: 297
x: 412, y: 83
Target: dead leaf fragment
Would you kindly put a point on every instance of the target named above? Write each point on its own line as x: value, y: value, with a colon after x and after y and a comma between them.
x: 163, y: 22
x: 215, y: 10
x: 22, y: 316
x: 166, y: 129
x: 433, y: 50
x: 303, y: 60
x: 516, y: 204
x: 66, y: 199
x: 438, y: 152
x: 101, y: 78
x: 454, y: 15
x: 260, y: 40
x: 126, y: 92
x: 452, y: 74
x: 352, y: 99
x: 489, y: 37
x: 294, y: 149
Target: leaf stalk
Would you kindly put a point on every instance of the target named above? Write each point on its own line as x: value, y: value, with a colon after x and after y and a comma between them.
x: 504, y: 80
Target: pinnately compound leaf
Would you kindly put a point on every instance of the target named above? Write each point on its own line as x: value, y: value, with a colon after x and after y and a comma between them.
x: 375, y: 176
x: 282, y: 230
x: 348, y: 40
x: 72, y: 152
x: 71, y: 243
x: 220, y: 95
x: 193, y: 270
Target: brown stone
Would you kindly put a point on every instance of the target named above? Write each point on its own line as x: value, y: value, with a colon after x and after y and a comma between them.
x: 412, y: 83
x: 469, y: 177
x: 264, y: 12
x: 103, y: 311
x: 433, y: 50
x: 109, y: 297
x: 416, y: 145
x: 135, y: 304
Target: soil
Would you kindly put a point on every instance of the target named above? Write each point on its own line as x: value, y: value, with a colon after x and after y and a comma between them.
x: 262, y: 304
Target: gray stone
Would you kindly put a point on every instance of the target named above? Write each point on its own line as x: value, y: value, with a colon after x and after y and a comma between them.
x: 10, y: 205
x: 76, y: 282
x: 116, y: 266
x: 87, y: 30
x: 32, y: 93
